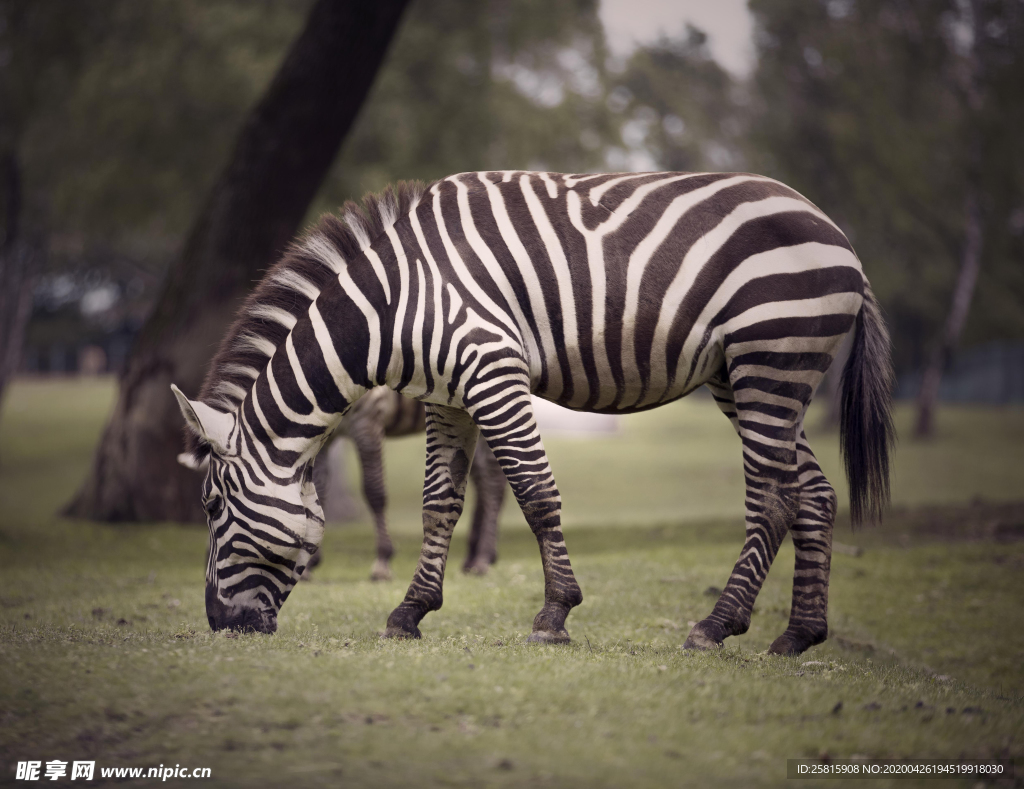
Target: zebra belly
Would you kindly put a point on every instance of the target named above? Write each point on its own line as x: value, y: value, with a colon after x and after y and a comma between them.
x: 639, y: 384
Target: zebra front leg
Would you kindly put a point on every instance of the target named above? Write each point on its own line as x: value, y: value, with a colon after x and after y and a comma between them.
x: 490, y: 485
x: 812, y: 538
x: 508, y: 424
x: 451, y: 441
x: 772, y: 503
x: 367, y: 432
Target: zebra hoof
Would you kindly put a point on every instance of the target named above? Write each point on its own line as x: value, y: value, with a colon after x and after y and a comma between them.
x: 398, y: 632
x: 549, y: 637
x: 477, y: 568
x: 702, y: 638
x: 380, y: 571
x: 793, y: 644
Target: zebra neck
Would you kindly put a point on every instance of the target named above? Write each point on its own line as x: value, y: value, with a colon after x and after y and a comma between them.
x: 280, y: 451
x: 296, y: 402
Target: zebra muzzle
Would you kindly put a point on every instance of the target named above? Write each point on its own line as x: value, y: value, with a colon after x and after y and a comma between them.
x: 238, y: 618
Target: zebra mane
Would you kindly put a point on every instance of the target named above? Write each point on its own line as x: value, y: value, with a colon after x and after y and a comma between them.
x: 284, y: 294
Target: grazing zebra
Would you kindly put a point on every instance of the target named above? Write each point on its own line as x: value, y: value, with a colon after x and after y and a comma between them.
x: 383, y: 413
x: 609, y: 293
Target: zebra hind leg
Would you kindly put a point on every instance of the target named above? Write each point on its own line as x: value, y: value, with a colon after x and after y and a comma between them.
x: 768, y: 437
x: 812, y: 538
x: 451, y: 442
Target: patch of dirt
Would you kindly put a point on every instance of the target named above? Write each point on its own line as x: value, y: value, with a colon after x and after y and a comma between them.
x: 978, y: 521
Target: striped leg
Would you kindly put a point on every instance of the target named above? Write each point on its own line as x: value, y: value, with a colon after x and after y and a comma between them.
x: 367, y: 433
x: 510, y: 429
x: 490, y: 495
x: 451, y: 441
x: 768, y: 435
x: 812, y: 538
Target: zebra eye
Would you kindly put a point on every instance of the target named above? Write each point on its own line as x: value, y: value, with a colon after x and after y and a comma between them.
x: 214, y: 506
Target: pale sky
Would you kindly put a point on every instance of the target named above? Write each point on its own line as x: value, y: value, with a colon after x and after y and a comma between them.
x: 727, y: 22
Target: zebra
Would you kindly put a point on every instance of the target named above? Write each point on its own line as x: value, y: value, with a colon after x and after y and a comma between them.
x: 610, y: 293
x: 383, y: 413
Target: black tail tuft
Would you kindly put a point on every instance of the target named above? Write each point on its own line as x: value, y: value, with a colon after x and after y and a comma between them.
x: 866, y: 432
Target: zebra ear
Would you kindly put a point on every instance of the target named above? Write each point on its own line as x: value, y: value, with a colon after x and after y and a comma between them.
x: 188, y: 460
x: 211, y: 425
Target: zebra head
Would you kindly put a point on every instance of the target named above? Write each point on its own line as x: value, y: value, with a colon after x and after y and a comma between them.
x: 263, y: 528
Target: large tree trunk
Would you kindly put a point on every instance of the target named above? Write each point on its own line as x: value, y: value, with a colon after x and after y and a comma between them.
x: 253, y: 211
x: 16, y: 274
x: 963, y: 292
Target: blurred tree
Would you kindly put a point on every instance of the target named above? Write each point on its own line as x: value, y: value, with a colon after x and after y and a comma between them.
x: 119, y: 165
x: 16, y: 274
x: 989, y: 39
x: 279, y: 161
x: 115, y: 165
x: 500, y: 84
x: 466, y: 86
x: 681, y: 107
x: 40, y: 47
x: 16, y: 278
x: 902, y: 121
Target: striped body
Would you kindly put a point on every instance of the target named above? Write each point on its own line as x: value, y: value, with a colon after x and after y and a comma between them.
x: 616, y: 291
x: 610, y: 293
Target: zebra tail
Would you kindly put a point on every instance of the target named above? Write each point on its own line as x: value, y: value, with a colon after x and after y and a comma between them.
x: 866, y: 432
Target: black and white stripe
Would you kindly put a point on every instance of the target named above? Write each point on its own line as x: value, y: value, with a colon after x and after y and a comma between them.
x: 611, y: 293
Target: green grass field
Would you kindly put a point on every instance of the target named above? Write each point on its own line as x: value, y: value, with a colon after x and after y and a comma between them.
x: 106, y: 654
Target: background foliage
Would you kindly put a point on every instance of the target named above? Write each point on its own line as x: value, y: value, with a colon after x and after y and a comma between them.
x: 885, y: 114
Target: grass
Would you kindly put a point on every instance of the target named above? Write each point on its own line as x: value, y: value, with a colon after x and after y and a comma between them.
x: 106, y: 654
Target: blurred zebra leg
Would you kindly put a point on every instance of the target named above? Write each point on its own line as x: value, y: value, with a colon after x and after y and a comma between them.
x: 490, y: 484
x: 367, y: 432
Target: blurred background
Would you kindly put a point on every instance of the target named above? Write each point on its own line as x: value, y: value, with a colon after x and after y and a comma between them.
x: 120, y: 123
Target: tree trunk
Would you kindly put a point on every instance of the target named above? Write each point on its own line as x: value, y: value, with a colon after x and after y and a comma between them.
x: 962, y: 294
x: 16, y: 275
x: 253, y: 211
